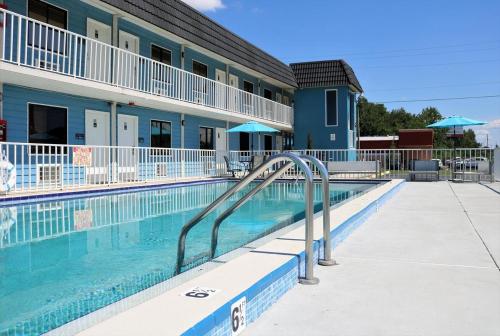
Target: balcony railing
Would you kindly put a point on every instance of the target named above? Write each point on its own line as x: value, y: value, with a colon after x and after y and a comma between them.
x: 31, y: 43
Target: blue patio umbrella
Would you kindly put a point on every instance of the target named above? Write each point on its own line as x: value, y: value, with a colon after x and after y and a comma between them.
x: 252, y: 127
x: 455, y: 121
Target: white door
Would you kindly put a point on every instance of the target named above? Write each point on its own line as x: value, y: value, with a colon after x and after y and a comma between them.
x: 279, y: 143
x: 221, y: 148
x: 97, y: 134
x: 233, y: 81
x: 126, y: 158
x: 234, y: 97
x: 98, y: 55
x: 128, y: 62
x: 220, y: 98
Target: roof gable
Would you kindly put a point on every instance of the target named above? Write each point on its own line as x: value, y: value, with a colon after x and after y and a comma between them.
x: 325, y: 73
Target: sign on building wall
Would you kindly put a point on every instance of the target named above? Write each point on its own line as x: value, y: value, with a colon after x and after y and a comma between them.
x: 82, y: 156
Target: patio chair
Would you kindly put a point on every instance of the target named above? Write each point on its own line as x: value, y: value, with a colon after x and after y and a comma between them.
x: 235, y: 167
x: 257, y: 160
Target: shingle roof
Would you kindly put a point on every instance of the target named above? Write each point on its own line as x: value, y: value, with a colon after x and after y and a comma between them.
x: 186, y: 22
x: 325, y: 73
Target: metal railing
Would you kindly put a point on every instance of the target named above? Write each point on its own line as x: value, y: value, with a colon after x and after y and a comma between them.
x: 48, y: 167
x: 395, y: 163
x: 45, y: 167
x: 309, y: 207
x: 31, y: 43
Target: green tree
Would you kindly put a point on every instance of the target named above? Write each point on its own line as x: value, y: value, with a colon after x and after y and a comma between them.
x: 375, y: 119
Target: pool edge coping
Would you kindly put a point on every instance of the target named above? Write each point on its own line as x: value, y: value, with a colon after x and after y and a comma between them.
x: 217, y: 315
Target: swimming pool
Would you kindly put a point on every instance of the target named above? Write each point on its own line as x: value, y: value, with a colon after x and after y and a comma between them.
x: 60, y: 260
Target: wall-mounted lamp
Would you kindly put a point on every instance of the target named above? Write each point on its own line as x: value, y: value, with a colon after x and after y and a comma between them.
x: 183, y: 122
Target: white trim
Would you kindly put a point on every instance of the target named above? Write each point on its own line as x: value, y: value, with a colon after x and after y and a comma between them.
x: 51, y: 4
x: 171, y: 132
x: 264, y: 93
x: 253, y: 86
x: 221, y: 72
x: 30, y: 77
x: 336, y: 110
x: 131, y: 36
x: 213, y: 134
x: 98, y: 23
x: 151, y: 44
x: 233, y: 76
x: 28, y: 121
x: 107, y: 129
x: 192, y: 67
x: 176, y: 39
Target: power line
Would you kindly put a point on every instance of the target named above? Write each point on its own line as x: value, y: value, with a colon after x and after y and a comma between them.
x: 437, y: 99
x: 435, y: 86
x: 418, y: 49
x: 428, y: 65
x: 424, y: 54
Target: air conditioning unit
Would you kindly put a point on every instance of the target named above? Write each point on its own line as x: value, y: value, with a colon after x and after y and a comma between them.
x: 161, y: 170
x: 48, y: 174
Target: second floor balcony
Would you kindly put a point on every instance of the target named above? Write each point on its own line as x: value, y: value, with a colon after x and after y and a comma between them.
x: 29, y: 43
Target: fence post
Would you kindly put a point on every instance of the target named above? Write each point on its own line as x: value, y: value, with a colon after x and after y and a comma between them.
x: 496, y: 165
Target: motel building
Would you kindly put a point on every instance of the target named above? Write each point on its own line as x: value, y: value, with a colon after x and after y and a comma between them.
x: 160, y: 83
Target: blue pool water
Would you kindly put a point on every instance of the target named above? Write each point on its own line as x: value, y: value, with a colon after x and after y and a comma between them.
x: 61, y: 260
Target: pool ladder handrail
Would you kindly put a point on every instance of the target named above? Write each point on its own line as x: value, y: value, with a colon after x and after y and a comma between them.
x: 309, y: 209
x: 327, y: 246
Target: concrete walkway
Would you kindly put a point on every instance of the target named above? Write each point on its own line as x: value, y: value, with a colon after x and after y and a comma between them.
x: 425, y: 264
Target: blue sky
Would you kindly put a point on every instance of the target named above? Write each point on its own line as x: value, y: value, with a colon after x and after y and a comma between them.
x: 400, y: 50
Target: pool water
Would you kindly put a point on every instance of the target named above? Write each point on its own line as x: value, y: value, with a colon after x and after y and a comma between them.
x: 61, y: 260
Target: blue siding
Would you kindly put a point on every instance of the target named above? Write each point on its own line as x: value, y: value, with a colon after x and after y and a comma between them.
x: 146, y: 38
x: 15, y: 109
x: 310, y: 119
x: 192, y: 129
x: 190, y: 55
x: 78, y: 12
x: 146, y: 115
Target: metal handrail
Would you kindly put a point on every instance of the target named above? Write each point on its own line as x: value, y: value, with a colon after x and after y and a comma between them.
x: 325, y: 181
x: 309, y: 227
x: 327, y: 258
x: 241, y: 202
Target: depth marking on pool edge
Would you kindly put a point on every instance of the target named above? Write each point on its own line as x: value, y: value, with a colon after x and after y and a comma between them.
x: 200, y: 292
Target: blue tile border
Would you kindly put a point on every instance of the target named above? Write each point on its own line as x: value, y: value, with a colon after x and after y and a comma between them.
x: 8, y: 201
x: 261, y: 295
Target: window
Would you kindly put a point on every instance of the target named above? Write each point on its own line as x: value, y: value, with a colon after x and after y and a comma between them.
x: 268, y: 142
x: 244, y: 141
x: 47, y: 38
x: 206, y: 138
x: 268, y: 94
x: 331, y: 107
x: 352, y: 111
x: 247, y: 86
x: 47, y: 124
x: 286, y: 100
x: 200, y: 69
x: 161, y: 134
x: 47, y: 13
x: 161, y: 55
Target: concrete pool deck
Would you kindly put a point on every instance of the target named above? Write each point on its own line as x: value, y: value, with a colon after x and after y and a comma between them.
x: 425, y: 264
